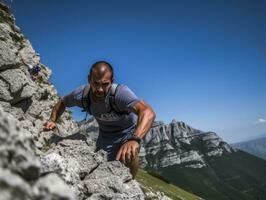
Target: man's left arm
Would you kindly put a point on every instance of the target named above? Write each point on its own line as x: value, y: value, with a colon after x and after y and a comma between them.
x: 146, y: 117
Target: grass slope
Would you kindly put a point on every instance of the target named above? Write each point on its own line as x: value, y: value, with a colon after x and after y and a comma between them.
x: 153, y: 183
x: 231, y: 177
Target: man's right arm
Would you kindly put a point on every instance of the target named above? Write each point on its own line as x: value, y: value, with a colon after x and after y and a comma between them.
x: 72, y: 99
x: 57, y: 111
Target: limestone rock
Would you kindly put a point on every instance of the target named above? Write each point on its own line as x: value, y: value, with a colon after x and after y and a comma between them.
x: 16, y: 148
x: 52, y: 187
x: 13, y: 187
x: 88, y: 173
x: 20, y: 168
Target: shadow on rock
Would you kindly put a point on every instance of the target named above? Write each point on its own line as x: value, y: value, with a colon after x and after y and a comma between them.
x: 24, y: 104
x: 57, y: 138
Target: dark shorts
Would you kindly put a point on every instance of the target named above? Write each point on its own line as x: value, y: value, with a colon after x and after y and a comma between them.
x: 111, y: 143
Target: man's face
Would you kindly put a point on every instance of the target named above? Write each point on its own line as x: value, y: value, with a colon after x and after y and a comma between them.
x: 100, y: 85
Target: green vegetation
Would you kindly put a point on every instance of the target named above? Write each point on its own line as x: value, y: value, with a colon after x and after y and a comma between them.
x: 46, y: 146
x: 153, y: 183
x: 42, y: 66
x: 231, y: 177
x: 155, y: 174
x: 242, y: 171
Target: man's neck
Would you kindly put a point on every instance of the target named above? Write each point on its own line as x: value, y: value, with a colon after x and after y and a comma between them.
x: 95, y: 99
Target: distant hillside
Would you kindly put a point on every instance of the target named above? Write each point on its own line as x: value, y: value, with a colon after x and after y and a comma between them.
x: 256, y: 147
x: 202, y: 163
x: 237, y: 176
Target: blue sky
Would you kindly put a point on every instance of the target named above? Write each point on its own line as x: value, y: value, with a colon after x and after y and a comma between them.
x: 201, y: 62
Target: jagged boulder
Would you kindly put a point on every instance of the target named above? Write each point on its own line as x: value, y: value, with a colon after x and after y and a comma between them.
x: 88, y: 173
x: 20, y: 168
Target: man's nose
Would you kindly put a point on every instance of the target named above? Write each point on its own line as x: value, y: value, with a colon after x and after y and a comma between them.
x: 100, y: 89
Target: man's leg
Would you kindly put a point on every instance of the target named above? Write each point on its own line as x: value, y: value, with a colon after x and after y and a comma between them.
x: 133, y: 165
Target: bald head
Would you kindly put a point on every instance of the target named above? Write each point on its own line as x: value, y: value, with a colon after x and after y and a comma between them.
x: 100, y: 79
x: 100, y: 68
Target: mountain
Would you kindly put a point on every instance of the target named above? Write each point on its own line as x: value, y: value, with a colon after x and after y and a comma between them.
x: 255, y: 147
x: 178, y: 143
x: 202, y: 163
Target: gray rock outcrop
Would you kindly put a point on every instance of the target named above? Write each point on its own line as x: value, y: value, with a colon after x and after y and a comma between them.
x: 20, y: 168
x: 88, y: 173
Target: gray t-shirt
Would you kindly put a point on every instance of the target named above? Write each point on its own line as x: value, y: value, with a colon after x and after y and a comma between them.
x: 109, y: 122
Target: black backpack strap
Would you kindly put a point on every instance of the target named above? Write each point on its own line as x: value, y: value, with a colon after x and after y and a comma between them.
x: 112, y: 103
x: 86, y: 99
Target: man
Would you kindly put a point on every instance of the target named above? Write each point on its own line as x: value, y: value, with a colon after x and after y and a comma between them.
x: 119, y: 131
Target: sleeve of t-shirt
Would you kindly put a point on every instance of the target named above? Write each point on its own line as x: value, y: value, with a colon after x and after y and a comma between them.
x: 125, y: 98
x: 74, y: 98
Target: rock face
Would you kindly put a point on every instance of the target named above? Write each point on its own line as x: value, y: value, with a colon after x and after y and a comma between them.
x: 34, y: 164
x: 89, y: 128
x: 88, y: 173
x: 28, y: 101
x: 178, y: 143
x: 20, y: 168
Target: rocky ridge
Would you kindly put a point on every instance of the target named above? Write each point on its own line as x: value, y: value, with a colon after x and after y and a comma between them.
x: 179, y: 144
x: 58, y: 164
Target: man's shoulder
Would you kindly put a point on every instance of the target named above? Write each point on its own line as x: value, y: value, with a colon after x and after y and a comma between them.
x: 122, y: 89
x: 125, y: 98
x: 79, y: 89
x: 76, y: 92
x: 122, y: 85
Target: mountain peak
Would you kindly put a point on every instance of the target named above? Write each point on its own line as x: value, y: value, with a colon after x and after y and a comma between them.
x: 174, y: 121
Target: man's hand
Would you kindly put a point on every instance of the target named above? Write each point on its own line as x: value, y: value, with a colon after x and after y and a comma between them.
x: 49, y: 125
x: 128, y: 151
